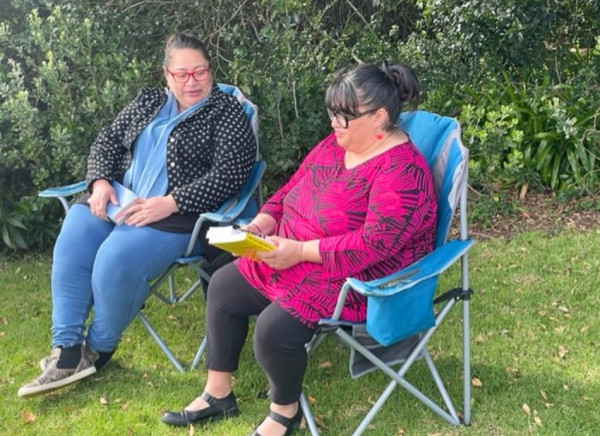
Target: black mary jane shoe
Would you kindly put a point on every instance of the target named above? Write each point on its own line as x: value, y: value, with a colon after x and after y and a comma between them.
x: 218, y: 408
x: 290, y: 424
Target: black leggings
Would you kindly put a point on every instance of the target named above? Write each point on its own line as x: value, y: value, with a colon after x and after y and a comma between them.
x: 279, y: 338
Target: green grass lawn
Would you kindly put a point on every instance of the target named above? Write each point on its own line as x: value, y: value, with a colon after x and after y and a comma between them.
x: 535, y: 357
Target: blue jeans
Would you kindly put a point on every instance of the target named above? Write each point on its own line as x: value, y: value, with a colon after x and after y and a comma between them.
x: 96, y: 263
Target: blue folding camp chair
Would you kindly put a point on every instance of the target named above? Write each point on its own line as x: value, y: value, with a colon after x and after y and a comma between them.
x: 234, y: 211
x: 401, y: 315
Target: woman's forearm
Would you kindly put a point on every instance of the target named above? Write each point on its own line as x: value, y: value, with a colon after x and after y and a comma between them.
x: 262, y: 224
x: 310, y: 251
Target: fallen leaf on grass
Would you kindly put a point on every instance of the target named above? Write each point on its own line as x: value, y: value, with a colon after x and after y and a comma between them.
x: 538, y: 421
x: 103, y: 401
x: 311, y: 399
x: 320, y: 422
x: 562, y: 351
x: 526, y: 408
x: 326, y: 364
x: 512, y: 371
x: 191, y: 432
x: 27, y: 417
x: 544, y: 396
x: 125, y: 406
x: 476, y: 382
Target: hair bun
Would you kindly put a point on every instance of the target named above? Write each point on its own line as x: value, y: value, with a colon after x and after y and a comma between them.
x: 405, y: 80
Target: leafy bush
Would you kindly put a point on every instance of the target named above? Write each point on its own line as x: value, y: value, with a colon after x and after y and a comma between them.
x: 534, y: 131
x: 528, y: 74
x: 61, y: 79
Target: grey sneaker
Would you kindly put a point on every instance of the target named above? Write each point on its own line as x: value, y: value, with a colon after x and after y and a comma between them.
x: 53, y: 378
x: 45, y: 360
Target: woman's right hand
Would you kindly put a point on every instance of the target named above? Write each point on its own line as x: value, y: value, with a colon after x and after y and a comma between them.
x: 102, y: 193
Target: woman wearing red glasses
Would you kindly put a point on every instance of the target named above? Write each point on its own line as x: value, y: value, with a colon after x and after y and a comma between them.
x: 182, y: 151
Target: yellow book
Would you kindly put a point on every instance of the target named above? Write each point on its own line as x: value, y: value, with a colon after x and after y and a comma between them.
x: 238, y: 242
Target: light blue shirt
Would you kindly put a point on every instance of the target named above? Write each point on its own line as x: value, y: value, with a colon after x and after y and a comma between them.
x: 147, y: 174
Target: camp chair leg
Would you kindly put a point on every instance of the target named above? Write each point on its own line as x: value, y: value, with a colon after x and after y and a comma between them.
x: 160, y: 342
x: 197, y: 284
x: 466, y: 364
x: 199, y: 354
x: 440, y: 385
x: 397, y: 379
x: 166, y: 275
x: 172, y: 295
x: 315, y: 342
x: 310, y: 421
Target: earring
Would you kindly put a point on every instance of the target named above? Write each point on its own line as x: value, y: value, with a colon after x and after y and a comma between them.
x: 379, y: 136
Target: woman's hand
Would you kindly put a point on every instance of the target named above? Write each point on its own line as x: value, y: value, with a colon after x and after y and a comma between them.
x: 287, y: 254
x: 252, y: 228
x: 151, y: 210
x: 102, y: 193
x: 262, y: 224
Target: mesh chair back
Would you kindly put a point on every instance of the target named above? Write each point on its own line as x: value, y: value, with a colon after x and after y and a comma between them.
x: 438, y: 139
x: 250, y: 109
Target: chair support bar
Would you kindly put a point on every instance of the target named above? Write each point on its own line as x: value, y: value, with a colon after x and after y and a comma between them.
x: 454, y: 294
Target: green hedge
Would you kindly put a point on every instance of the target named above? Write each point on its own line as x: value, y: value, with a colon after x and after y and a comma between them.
x: 521, y: 76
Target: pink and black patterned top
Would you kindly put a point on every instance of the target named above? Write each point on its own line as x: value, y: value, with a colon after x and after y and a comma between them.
x: 371, y: 220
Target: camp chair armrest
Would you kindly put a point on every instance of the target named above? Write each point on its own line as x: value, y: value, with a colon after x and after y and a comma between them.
x: 213, y: 217
x: 230, y: 211
x: 431, y: 265
x: 64, y: 191
x: 61, y: 193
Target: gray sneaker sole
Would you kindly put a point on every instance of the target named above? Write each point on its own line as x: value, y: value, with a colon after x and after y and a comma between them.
x: 48, y: 387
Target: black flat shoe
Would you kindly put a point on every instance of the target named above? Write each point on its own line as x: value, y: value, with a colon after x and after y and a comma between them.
x: 218, y: 408
x: 290, y: 424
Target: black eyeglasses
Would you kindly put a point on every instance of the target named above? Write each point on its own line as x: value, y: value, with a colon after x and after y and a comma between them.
x: 343, y: 119
x: 198, y: 74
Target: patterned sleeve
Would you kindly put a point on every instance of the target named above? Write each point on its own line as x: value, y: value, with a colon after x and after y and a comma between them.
x: 401, y: 206
x: 274, y: 206
x: 105, y: 160
x: 234, y: 154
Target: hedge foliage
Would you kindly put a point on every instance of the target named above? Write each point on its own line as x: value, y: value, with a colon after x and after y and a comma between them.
x: 522, y: 76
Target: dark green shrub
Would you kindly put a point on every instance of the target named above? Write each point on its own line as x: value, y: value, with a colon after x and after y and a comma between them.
x: 522, y: 76
x: 536, y: 131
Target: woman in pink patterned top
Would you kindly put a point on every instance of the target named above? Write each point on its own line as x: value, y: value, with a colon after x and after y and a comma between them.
x: 362, y: 204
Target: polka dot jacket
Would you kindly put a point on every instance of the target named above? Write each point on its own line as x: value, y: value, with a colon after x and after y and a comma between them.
x: 209, y: 155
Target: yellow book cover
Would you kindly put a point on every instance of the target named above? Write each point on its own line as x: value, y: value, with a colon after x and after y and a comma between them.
x: 237, y: 241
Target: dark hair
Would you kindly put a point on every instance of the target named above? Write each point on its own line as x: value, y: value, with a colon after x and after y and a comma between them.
x: 373, y: 87
x: 180, y: 41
